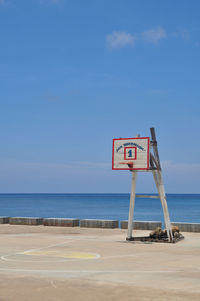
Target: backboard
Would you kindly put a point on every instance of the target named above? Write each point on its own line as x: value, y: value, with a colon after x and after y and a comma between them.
x: 130, y: 153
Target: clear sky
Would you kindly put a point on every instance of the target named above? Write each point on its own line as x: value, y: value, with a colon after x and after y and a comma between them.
x: 76, y: 73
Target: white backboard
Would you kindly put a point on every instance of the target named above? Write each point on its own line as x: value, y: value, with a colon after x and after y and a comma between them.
x: 130, y: 153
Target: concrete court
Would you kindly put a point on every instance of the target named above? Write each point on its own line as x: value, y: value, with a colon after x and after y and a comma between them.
x: 58, y: 263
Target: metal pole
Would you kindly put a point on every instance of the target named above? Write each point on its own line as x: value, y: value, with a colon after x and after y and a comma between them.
x: 161, y: 191
x: 157, y: 174
x: 131, y: 206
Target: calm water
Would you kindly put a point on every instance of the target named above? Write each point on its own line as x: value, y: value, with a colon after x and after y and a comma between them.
x: 182, y: 207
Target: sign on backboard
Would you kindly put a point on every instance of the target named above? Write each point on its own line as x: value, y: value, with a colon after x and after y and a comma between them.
x: 130, y: 153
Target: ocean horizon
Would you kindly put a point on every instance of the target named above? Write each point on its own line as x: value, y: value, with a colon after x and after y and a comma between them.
x: 182, y: 207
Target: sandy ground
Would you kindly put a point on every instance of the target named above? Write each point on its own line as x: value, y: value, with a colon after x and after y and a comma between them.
x: 54, y: 263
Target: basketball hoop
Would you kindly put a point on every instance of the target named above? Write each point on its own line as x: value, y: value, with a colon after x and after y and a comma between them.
x: 130, y: 164
x: 134, y: 154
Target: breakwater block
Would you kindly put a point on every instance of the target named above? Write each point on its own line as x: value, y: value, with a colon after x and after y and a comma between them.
x: 93, y: 223
x: 4, y: 219
x: 61, y: 222
x: 187, y: 227
x: 141, y: 225
x: 32, y: 221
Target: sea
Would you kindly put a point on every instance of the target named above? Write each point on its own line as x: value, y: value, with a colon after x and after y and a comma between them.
x: 114, y: 206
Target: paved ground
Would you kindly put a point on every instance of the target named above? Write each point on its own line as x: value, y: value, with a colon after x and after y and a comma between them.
x: 53, y: 263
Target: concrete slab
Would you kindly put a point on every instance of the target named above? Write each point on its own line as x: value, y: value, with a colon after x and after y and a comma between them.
x: 141, y: 225
x: 188, y: 227
x: 61, y: 222
x: 94, y: 223
x: 63, y: 263
x: 25, y: 221
x: 4, y: 219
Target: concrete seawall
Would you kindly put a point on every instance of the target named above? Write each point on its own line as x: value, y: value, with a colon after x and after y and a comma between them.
x: 32, y: 221
x: 4, y: 219
x: 188, y: 227
x: 141, y: 225
x: 93, y: 223
x: 61, y: 222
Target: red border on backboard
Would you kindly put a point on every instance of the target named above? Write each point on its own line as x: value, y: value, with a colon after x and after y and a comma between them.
x: 135, y: 157
x: 148, y: 146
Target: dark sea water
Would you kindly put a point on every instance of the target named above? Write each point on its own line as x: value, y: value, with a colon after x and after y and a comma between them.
x: 182, y: 207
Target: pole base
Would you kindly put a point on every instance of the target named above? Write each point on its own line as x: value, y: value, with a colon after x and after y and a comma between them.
x: 150, y: 239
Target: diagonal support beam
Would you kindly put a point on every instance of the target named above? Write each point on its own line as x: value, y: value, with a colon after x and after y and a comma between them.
x: 161, y: 191
x: 157, y: 174
x: 155, y: 149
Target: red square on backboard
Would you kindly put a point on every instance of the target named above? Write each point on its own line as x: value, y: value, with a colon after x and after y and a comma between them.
x: 130, y: 153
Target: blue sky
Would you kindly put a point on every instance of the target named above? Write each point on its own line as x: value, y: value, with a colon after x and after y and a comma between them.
x: 75, y: 74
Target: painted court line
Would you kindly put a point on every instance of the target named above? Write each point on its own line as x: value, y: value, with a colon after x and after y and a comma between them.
x: 43, y: 248
x: 20, y: 234
x: 5, y: 257
x: 90, y: 271
x: 69, y: 256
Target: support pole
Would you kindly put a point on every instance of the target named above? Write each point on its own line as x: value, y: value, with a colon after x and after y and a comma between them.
x: 132, y: 203
x: 157, y: 174
x: 155, y: 148
x: 161, y: 191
